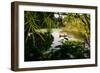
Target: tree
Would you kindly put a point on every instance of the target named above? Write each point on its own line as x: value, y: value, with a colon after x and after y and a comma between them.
x: 36, y: 42
x: 78, y: 25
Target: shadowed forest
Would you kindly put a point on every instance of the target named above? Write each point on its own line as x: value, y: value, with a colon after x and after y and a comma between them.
x: 56, y: 36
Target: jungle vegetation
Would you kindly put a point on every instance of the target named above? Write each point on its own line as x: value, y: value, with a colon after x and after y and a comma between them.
x: 38, y: 38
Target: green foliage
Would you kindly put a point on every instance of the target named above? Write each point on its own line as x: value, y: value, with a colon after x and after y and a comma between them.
x: 78, y: 25
x: 38, y: 43
x: 71, y: 50
x: 33, y: 53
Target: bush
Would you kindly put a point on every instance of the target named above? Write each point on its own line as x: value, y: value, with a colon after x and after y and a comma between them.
x: 35, y: 52
x: 68, y: 49
x: 71, y: 50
